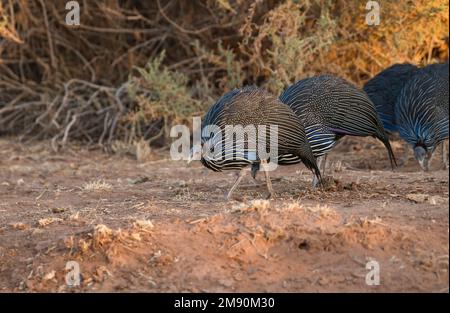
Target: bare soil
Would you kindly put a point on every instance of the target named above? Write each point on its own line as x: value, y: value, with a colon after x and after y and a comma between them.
x: 163, y: 226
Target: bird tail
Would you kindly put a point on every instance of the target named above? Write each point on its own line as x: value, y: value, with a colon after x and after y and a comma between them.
x: 310, y: 163
x: 385, y: 140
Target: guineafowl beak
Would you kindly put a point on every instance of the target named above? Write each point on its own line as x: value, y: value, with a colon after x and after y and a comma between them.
x: 195, y: 154
x: 191, y: 156
x: 422, y: 157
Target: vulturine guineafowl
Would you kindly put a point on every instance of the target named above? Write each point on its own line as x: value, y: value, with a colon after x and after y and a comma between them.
x: 440, y: 69
x: 330, y: 108
x: 422, y: 113
x: 252, y: 106
x: 384, y: 88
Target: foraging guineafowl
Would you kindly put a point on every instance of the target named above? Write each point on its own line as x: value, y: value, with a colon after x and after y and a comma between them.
x: 330, y: 108
x: 254, y: 107
x: 384, y: 88
x: 421, y: 112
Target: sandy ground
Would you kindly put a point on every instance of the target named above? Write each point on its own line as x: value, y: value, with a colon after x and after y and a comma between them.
x: 160, y: 225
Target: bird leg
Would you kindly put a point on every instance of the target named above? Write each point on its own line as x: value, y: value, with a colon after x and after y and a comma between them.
x: 405, y: 157
x: 268, y: 181
x: 445, y: 154
x: 321, y: 164
x: 254, y: 171
x: 241, y: 175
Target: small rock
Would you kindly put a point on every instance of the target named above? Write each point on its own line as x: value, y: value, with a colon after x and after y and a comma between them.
x: 437, y: 200
x: 181, y: 183
x: 417, y: 197
x: 226, y: 282
x: 49, y: 276
x: 323, y: 281
x: 138, y: 180
x: 20, y: 226
x: 58, y: 210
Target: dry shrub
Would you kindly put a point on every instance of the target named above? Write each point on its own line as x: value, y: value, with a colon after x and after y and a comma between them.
x: 162, y: 99
x: 409, y: 31
x: 6, y: 26
x: 285, y: 46
x: 134, y: 68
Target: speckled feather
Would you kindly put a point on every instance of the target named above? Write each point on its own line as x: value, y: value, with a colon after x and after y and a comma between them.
x: 255, y: 106
x: 329, y: 108
x: 422, y: 109
x: 384, y: 88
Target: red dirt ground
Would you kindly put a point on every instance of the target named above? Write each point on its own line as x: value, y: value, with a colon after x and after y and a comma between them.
x: 160, y: 225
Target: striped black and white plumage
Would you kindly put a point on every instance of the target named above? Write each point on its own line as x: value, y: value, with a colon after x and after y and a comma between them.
x: 422, y: 111
x: 330, y: 108
x: 384, y: 88
x: 252, y: 106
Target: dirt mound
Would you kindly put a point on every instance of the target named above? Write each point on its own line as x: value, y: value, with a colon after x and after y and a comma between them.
x: 162, y: 226
x: 255, y: 246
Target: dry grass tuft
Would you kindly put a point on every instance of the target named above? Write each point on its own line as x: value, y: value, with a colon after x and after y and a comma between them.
x: 97, y: 185
x: 102, y: 236
x: 322, y: 211
x: 47, y: 221
x: 143, y: 224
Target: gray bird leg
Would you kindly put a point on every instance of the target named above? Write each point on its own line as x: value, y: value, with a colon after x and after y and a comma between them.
x: 321, y: 164
x: 445, y: 154
x: 405, y: 157
x: 268, y: 181
x: 254, y: 171
x: 241, y: 175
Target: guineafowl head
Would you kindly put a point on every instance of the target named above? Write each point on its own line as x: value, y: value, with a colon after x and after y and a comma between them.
x: 195, y: 153
x: 423, y: 155
x: 209, y: 152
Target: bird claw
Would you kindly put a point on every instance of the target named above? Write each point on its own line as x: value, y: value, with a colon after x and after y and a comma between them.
x: 315, y: 183
x: 256, y: 182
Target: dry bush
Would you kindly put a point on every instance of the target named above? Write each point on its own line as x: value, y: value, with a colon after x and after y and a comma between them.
x: 409, y: 31
x: 162, y: 99
x: 134, y: 68
x: 285, y: 46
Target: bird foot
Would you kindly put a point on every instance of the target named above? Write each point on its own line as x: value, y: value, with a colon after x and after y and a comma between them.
x: 316, y: 183
x: 327, y: 181
x: 256, y: 182
x: 268, y: 195
x: 227, y: 196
